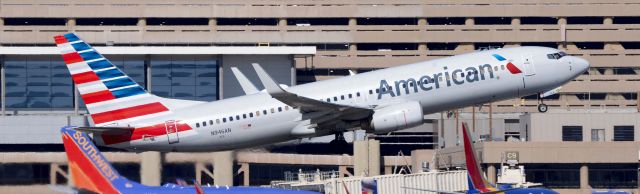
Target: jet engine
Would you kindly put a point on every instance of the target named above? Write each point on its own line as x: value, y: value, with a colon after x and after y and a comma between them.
x: 395, y: 117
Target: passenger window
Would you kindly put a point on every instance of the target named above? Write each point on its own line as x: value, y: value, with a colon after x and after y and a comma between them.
x: 495, y: 68
x: 210, y: 122
x: 328, y: 99
x: 440, y: 78
x: 257, y: 113
x: 204, y: 123
x: 264, y: 112
x: 502, y: 67
x: 251, y: 115
x: 286, y: 107
x: 370, y: 91
x: 237, y: 117
x: 273, y: 110
x: 335, y: 99
x: 218, y: 121
x: 230, y: 118
x: 341, y: 97
x: 357, y: 94
x: 198, y: 125
x: 350, y: 96
x: 224, y: 120
x: 279, y: 109
x: 378, y: 90
x: 244, y: 116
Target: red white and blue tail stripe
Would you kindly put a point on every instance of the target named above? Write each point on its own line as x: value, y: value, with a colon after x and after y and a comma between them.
x: 111, y: 96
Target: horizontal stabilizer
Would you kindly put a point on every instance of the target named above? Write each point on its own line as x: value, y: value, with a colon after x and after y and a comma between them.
x: 106, y: 130
x: 246, y: 85
x: 435, y: 191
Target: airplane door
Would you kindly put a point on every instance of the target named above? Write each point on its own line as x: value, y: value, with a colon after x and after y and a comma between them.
x: 172, y: 131
x: 529, y: 67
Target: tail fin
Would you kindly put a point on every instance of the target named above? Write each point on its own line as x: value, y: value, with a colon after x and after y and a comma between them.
x: 89, y: 169
x: 476, y: 179
x: 110, y: 95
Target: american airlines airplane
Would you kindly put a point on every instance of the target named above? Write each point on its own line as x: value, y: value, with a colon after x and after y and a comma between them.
x: 126, y: 116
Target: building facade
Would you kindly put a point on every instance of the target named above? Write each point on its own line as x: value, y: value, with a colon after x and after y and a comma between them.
x: 356, y: 35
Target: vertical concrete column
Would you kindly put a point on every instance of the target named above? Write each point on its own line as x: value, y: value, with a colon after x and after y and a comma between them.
x: 71, y: 22
x: 223, y: 168
x: 491, y: 173
x: 213, y: 22
x: 469, y: 21
x: 637, y: 102
x: 374, y: 157
x: 142, y: 22
x: 422, y: 21
x: 584, y: 177
x: 246, y: 174
x: 608, y: 20
x: 562, y: 21
x: 1, y: 21
x: 360, y: 158
x: 515, y: 21
x: 422, y: 46
x: 353, y: 22
x: 282, y: 22
x: 151, y: 168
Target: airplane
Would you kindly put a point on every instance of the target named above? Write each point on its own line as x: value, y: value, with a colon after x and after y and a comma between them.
x: 476, y: 181
x: 124, y: 115
x: 91, y: 172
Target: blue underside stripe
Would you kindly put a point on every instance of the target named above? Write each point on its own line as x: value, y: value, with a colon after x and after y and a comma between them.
x: 128, y: 92
x: 80, y: 46
x: 90, y: 55
x: 125, y: 81
x: 500, y: 58
x: 111, y: 73
x: 101, y: 64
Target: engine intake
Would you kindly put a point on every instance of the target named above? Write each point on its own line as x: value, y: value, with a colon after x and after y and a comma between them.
x: 396, y: 117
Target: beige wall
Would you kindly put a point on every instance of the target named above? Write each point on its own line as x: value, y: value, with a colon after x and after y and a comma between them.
x: 547, y: 127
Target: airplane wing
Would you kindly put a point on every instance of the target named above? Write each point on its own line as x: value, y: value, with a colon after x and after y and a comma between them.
x: 246, y: 85
x: 106, y: 130
x: 304, y: 103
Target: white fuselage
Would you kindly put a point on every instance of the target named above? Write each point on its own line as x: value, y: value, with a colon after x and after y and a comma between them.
x: 438, y: 85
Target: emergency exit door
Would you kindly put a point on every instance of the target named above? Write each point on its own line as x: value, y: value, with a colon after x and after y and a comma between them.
x: 172, y: 131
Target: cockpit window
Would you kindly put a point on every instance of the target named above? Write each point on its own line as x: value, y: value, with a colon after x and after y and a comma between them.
x: 556, y: 55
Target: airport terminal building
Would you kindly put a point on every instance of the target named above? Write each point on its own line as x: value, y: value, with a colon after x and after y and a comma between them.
x: 184, y: 49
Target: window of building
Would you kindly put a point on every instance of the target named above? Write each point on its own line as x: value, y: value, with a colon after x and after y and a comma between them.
x: 177, y: 21
x: 605, y: 176
x: 585, y: 20
x: 571, y: 133
x: 538, y: 21
x: 35, y: 21
x: 590, y: 45
x: 188, y: 77
x: 385, y: 47
x: 387, y: 21
x: 446, y: 21
x: 317, y: 21
x: 37, y: 82
x: 247, y: 21
x: 492, y: 21
x: 442, y: 46
x: 623, y: 133
x: 554, y: 175
x: 107, y: 21
x: 597, y: 135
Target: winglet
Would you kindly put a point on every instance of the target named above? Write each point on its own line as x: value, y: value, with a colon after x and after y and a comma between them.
x: 246, y: 85
x: 272, y: 87
x: 473, y: 165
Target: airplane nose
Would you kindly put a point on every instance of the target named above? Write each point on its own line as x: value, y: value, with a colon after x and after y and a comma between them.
x: 581, y: 65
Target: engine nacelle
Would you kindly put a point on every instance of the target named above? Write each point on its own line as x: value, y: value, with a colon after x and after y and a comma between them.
x: 396, y: 117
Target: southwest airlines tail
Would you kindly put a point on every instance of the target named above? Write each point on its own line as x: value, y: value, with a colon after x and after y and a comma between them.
x: 477, y: 182
x: 112, y: 97
x: 89, y: 169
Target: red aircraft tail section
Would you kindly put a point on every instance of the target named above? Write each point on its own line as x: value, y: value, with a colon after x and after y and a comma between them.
x: 476, y: 178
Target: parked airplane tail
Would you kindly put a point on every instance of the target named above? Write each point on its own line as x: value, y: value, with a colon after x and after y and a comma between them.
x: 476, y: 179
x: 89, y: 169
x: 111, y: 96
